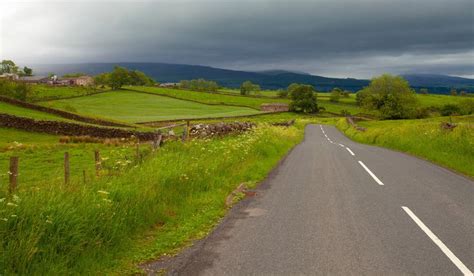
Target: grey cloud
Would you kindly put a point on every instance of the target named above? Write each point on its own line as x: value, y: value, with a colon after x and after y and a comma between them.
x: 338, y: 38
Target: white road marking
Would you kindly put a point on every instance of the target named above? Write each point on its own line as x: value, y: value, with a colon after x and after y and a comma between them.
x: 350, y: 151
x: 371, y: 173
x: 341, y: 145
x: 438, y: 242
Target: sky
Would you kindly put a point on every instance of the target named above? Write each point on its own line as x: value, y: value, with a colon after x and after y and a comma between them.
x: 335, y: 38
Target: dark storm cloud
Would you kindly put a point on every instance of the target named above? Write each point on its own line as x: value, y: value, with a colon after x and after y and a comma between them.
x: 338, y: 38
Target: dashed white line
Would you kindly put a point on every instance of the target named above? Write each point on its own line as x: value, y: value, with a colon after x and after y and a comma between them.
x: 438, y: 242
x: 350, y: 151
x: 341, y: 145
x: 371, y: 173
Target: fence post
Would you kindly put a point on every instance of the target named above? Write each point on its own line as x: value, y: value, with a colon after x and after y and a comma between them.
x: 84, y: 175
x: 97, y: 162
x: 138, y: 150
x: 188, y: 129
x: 13, y: 174
x: 66, y: 168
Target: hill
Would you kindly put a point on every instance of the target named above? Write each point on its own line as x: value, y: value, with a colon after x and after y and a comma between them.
x: 269, y: 79
x: 163, y: 72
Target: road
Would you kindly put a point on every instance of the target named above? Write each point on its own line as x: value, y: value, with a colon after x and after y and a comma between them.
x: 337, y: 207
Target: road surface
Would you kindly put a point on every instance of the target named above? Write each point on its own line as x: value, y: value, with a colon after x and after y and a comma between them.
x: 337, y: 207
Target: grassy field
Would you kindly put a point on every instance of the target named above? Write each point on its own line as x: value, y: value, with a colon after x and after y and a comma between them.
x: 12, y: 138
x: 424, y: 138
x: 132, y: 107
x: 28, y: 113
x: 174, y: 196
x: 46, y: 92
x: 209, y: 98
x: 440, y: 100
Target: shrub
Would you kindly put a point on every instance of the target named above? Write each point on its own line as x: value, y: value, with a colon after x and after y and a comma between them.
x: 16, y: 90
x: 282, y: 93
x: 199, y: 85
x: 450, y: 109
x: 389, y: 95
x: 247, y: 87
x: 303, y: 99
x: 335, y: 95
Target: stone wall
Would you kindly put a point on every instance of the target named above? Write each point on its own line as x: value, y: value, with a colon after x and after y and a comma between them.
x: 274, y: 107
x: 70, y: 129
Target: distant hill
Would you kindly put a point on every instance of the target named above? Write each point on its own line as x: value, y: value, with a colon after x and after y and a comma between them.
x: 269, y: 79
x: 434, y: 81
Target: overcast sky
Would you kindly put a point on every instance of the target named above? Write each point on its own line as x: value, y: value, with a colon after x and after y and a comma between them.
x: 339, y: 38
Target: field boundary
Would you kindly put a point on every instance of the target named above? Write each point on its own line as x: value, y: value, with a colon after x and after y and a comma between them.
x: 71, y: 129
x: 71, y: 97
x: 61, y: 113
x: 209, y: 118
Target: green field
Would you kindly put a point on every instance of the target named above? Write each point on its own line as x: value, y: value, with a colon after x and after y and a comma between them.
x: 28, y: 113
x: 209, y: 98
x: 132, y: 107
x: 46, y: 92
x: 12, y: 138
x: 424, y: 138
x: 440, y: 100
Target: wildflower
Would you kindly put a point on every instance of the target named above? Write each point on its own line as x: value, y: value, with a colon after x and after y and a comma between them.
x: 13, y: 216
x: 2, y: 199
x: 4, y: 219
x: 16, y: 198
x: 11, y: 204
x: 49, y: 221
x: 103, y: 192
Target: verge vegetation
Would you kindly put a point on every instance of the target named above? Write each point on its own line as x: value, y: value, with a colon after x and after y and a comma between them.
x: 426, y: 138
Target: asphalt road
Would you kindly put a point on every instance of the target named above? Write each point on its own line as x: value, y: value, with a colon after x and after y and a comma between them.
x: 336, y: 207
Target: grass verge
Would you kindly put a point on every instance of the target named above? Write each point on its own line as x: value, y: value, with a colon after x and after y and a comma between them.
x: 174, y: 196
x: 425, y: 138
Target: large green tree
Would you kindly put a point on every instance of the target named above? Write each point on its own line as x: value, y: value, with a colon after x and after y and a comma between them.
x: 390, y: 96
x: 303, y: 98
x: 8, y: 66
x: 118, y: 78
x: 248, y: 87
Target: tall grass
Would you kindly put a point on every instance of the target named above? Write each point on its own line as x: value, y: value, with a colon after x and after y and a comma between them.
x: 51, y: 228
x: 424, y: 138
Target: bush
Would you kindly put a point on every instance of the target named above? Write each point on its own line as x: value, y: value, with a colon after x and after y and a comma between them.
x: 335, y: 95
x: 450, y: 109
x: 247, y: 87
x: 16, y: 90
x: 303, y: 99
x: 391, y: 96
x: 199, y: 85
x: 467, y: 107
x: 282, y: 93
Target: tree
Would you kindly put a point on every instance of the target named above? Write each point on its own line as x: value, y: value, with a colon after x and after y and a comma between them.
x: 424, y: 91
x: 199, y: 85
x: 463, y: 93
x: 303, y: 99
x: 9, y: 67
x: 118, y: 78
x: 453, y: 92
x: 247, y: 87
x: 346, y: 93
x: 28, y: 71
x: 102, y: 79
x: 282, y: 93
x: 140, y: 78
x: 335, y: 95
x: 389, y: 95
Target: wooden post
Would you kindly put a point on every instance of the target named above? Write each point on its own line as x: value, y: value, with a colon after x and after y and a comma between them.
x: 188, y: 129
x: 138, y: 151
x: 84, y: 175
x: 156, y: 140
x: 13, y: 174
x: 97, y: 162
x: 66, y: 168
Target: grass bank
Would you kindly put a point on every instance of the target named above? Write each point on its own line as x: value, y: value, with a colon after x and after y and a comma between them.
x: 424, y: 138
x: 174, y: 196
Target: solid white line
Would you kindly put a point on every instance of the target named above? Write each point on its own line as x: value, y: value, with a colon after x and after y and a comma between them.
x: 438, y: 242
x: 371, y: 173
x: 350, y: 151
x: 341, y: 145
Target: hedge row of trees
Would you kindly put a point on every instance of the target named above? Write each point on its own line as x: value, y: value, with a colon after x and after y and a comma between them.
x: 121, y: 76
x: 199, y: 85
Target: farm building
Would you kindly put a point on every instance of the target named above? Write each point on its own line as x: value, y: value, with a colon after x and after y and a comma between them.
x: 79, y: 81
x: 169, y: 84
x: 274, y: 107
